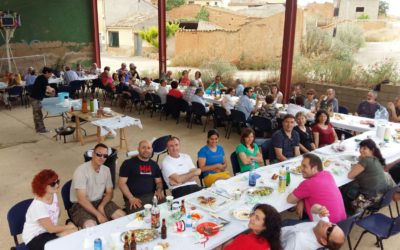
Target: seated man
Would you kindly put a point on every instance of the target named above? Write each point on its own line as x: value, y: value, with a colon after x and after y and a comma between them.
x: 329, y: 100
x: 178, y: 170
x: 198, y: 97
x: 140, y: 179
x: 394, y: 110
x: 246, y: 105
x: 319, y: 187
x: 162, y: 91
x: 297, y: 96
x: 286, y: 141
x: 189, y: 92
x: 70, y: 75
x: 313, y: 235
x: 216, y: 85
x: 92, y: 191
x: 369, y: 107
x: 174, y: 91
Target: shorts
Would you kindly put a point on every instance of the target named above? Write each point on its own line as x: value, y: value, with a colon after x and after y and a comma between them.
x: 79, y: 215
x: 211, y: 178
x: 39, y: 241
x: 146, y: 199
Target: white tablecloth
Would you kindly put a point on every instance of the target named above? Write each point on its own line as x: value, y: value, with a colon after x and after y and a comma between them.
x: 110, y: 124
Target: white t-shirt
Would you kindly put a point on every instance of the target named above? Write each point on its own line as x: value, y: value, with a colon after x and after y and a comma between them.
x: 181, y: 165
x: 39, y: 210
x: 229, y: 103
x: 301, y: 236
x: 162, y: 92
x: 85, y: 177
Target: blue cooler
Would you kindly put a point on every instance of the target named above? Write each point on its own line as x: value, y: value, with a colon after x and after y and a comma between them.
x: 62, y: 95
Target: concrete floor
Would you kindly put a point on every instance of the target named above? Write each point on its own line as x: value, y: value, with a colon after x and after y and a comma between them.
x: 23, y: 153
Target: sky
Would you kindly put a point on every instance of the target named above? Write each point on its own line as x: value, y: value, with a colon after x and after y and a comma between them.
x: 394, y: 5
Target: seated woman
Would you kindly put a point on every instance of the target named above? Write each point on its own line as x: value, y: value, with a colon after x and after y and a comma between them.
x: 370, y: 178
x: 323, y: 131
x: 184, y: 80
x: 106, y: 78
x: 174, y: 91
x: 305, y: 133
x: 227, y: 101
x: 276, y: 94
x: 42, y: 215
x: 268, y: 110
x: 212, y: 160
x: 247, y: 151
x: 265, y: 231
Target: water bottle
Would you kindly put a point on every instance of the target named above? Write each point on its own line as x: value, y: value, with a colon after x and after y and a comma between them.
x: 188, y: 221
x: 282, y: 180
x: 252, y: 179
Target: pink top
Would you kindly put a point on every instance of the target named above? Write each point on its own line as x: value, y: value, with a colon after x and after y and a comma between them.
x: 184, y: 81
x: 321, y: 189
x: 326, y: 136
x: 248, y: 241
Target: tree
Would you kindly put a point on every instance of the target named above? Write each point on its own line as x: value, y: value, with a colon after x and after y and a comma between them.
x: 383, y: 8
x: 170, y: 4
x: 151, y: 34
x: 202, y: 14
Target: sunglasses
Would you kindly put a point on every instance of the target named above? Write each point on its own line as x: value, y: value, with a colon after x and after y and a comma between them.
x: 54, y: 183
x: 329, y: 231
x: 105, y: 156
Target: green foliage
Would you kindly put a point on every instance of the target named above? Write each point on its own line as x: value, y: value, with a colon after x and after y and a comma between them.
x: 351, y: 35
x: 316, y: 42
x: 217, y: 66
x: 151, y: 34
x: 341, y: 51
x: 203, y: 14
x: 363, y: 17
x: 383, y: 8
x: 375, y: 73
x: 170, y: 4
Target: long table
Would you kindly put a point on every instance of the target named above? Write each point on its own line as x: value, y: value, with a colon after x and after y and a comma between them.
x: 110, y: 232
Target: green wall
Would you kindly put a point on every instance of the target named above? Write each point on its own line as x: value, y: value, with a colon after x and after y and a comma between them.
x: 52, y: 20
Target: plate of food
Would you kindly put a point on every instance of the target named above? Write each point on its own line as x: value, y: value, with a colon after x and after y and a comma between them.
x: 141, y: 235
x: 241, y: 214
x: 326, y: 163
x: 208, y: 228
x: 196, y: 215
x: 295, y: 170
x: 209, y: 201
x: 260, y: 191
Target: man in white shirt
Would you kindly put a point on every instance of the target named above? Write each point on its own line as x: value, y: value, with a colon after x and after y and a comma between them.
x: 313, y: 235
x: 162, y: 91
x: 178, y: 170
x: 70, y: 75
x: 198, y: 97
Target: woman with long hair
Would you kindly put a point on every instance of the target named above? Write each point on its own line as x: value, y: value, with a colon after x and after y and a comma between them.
x: 305, y: 133
x: 276, y: 94
x: 368, y: 173
x: 212, y: 160
x: 42, y: 215
x: 323, y: 131
x: 248, y: 151
x: 265, y: 231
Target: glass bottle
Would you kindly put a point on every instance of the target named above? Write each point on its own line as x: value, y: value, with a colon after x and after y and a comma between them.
x: 183, y: 209
x: 282, y: 180
x: 132, y: 244
x: 163, y: 230
x: 84, y: 106
x: 126, y: 242
x: 252, y: 179
x: 287, y: 176
x: 155, y: 214
x: 91, y: 104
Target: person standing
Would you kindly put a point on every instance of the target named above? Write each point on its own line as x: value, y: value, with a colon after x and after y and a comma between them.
x: 40, y: 89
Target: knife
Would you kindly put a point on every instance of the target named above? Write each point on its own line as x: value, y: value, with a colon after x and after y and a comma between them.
x: 223, y: 221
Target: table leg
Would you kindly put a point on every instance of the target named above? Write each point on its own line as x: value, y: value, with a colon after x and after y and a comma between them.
x: 123, y: 144
x: 78, y: 130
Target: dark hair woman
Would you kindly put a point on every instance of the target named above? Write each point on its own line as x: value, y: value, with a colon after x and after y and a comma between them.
x: 248, y: 151
x: 265, y: 226
x: 324, y: 133
x: 42, y: 215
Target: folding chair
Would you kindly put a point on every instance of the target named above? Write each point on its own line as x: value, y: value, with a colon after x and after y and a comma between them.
x: 16, y: 220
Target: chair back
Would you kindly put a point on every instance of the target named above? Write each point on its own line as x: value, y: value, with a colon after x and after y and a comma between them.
x: 15, y: 91
x: 16, y: 218
x: 387, y: 197
x: 235, y: 163
x: 160, y: 144
x: 220, y: 113
x: 29, y: 89
x: 65, y: 194
x: 156, y: 98
x: 267, y: 151
x: 347, y: 224
x: 135, y: 96
x: 238, y: 116
x: 201, y: 176
x: 343, y: 110
x: 261, y: 124
x: 75, y: 85
x: 198, y: 108
x: 341, y: 132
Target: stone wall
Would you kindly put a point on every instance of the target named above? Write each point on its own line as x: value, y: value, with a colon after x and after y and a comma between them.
x: 350, y: 97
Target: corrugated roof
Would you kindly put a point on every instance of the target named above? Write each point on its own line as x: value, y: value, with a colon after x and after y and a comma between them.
x: 263, y: 11
x: 207, y: 26
x: 132, y: 20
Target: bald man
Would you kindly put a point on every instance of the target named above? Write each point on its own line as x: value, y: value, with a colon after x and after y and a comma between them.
x: 140, y: 179
x: 370, y: 106
x: 313, y: 235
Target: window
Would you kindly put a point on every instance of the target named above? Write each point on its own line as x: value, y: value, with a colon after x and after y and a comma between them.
x: 215, y: 3
x: 359, y: 9
x: 336, y: 12
x: 113, y: 39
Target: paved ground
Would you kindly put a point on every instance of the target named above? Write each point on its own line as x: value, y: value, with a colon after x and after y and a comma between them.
x: 23, y: 153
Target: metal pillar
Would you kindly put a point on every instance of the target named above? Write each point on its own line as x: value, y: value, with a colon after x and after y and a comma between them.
x: 96, y: 42
x: 287, y: 48
x: 162, y: 42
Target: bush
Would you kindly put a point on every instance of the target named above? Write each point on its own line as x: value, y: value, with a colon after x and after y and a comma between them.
x: 316, y: 42
x: 202, y: 14
x: 211, y: 68
x: 351, y: 36
x: 385, y: 70
x: 151, y: 34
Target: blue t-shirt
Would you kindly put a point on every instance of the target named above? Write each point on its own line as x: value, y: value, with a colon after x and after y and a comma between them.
x: 281, y: 140
x: 211, y: 157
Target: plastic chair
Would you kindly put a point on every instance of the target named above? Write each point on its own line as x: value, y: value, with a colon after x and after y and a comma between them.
x: 379, y: 225
x: 147, y: 103
x: 160, y: 146
x: 237, y: 118
x: 28, y: 91
x: 343, y: 110
x: 262, y: 125
x: 201, y: 176
x: 198, y: 110
x: 14, y: 93
x: 220, y: 117
x: 16, y: 220
x: 74, y: 88
x: 383, y: 202
x: 172, y: 108
x: 135, y: 100
x: 340, y: 132
x: 65, y: 194
x: 156, y: 104
x: 267, y: 151
x: 235, y: 163
x: 347, y: 225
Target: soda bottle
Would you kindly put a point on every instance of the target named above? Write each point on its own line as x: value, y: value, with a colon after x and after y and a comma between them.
x: 282, y: 180
x: 163, y: 230
x: 126, y: 242
x: 97, y: 244
x: 84, y: 106
x: 132, y: 244
x: 252, y: 179
x: 155, y: 214
x: 91, y: 105
x: 183, y: 209
x: 287, y: 176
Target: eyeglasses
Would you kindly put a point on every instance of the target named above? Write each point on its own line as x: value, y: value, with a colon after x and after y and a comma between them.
x: 54, y: 183
x: 105, y: 156
x: 329, y: 231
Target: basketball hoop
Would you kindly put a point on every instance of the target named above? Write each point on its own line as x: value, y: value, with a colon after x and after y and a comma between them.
x: 9, y: 22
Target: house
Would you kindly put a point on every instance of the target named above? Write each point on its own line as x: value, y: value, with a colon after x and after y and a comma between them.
x: 353, y: 9
x: 254, y: 36
x: 215, y: 3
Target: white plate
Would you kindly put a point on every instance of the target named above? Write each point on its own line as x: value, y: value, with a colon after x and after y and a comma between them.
x: 241, y: 214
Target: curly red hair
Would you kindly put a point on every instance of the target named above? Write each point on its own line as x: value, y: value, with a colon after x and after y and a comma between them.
x: 41, y: 180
